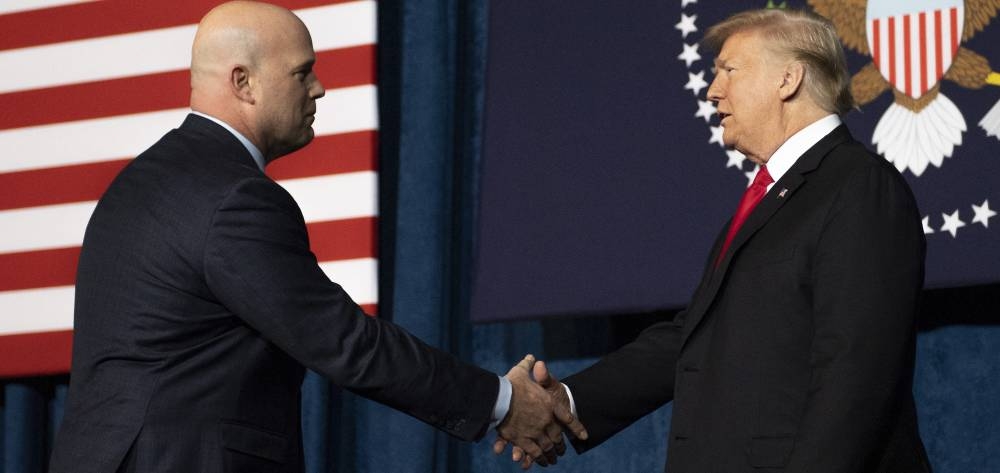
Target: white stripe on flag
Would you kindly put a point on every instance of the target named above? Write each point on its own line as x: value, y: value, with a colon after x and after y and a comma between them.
x: 358, y: 277
x: 47, y: 227
x: 330, y: 197
x: 346, y: 110
x: 932, y: 48
x: 915, y: 56
x: 162, y: 50
x: 335, y: 196
x: 36, y: 310
x: 341, y: 26
x: 883, y: 49
x: 51, y: 308
x: 946, y: 15
x: 900, y: 62
x: 124, y: 136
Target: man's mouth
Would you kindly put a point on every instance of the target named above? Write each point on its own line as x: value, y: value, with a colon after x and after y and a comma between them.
x: 723, y: 116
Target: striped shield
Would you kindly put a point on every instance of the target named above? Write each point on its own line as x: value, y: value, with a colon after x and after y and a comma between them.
x: 913, y: 42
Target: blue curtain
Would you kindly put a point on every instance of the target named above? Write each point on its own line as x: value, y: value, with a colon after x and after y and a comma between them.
x: 431, y: 63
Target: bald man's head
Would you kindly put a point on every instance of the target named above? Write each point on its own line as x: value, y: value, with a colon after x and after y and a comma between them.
x: 251, y: 67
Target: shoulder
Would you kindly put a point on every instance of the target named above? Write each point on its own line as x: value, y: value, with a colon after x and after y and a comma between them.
x: 850, y: 161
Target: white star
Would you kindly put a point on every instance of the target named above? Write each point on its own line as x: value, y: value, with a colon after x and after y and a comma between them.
x: 685, y: 3
x: 750, y: 175
x: 952, y: 223
x: 686, y: 25
x: 716, y: 136
x: 927, y: 225
x: 983, y: 213
x: 705, y: 110
x: 690, y: 54
x: 736, y: 159
x: 696, y: 82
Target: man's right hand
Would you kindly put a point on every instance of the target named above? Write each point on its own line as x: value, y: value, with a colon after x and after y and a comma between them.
x: 551, y: 445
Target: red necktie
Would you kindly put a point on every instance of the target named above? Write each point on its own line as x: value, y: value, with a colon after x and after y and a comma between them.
x: 753, y: 195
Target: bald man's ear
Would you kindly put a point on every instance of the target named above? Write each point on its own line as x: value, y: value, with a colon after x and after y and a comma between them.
x: 791, y: 80
x: 239, y: 83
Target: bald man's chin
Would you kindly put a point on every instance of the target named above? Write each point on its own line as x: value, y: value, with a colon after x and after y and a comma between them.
x: 306, y: 139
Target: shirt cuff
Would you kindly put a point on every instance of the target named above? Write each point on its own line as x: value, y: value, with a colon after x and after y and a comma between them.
x: 503, y: 402
x: 572, y: 403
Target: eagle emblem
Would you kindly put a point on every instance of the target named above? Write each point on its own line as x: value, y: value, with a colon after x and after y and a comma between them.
x: 914, y: 45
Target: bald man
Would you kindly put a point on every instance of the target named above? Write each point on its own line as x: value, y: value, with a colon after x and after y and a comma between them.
x: 199, y: 304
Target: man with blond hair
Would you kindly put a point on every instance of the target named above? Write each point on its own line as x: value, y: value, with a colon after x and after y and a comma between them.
x: 796, y: 352
x: 199, y: 304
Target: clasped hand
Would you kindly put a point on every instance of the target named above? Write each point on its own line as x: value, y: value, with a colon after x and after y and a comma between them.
x: 539, y: 412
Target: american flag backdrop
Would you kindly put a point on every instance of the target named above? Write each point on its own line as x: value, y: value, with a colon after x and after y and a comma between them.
x: 87, y: 85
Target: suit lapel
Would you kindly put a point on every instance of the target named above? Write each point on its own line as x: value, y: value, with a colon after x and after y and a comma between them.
x: 783, y: 191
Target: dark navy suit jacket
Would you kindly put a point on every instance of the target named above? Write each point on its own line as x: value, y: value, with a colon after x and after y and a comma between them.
x: 198, y: 307
x: 796, y: 353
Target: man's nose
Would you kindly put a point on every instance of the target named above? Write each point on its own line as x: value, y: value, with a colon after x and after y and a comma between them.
x: 713, y: 93
x: 317, y: 89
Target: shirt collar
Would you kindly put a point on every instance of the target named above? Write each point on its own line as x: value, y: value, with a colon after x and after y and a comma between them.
x: 796, y: 145
x: 258, y: 157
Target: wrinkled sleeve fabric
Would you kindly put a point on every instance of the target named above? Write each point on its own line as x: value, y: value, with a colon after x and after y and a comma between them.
x: 258, y: 263
x: 627, y: 384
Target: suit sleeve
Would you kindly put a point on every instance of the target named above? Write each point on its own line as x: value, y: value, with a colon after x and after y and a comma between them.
x: 258, y: 263
x: 627, y: 384
x: 867, y: 274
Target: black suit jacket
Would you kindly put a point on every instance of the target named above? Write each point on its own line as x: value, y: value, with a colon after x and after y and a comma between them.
x: 796, y: 353
x: 198, y: 307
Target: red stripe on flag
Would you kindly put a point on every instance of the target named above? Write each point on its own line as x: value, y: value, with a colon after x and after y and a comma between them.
x: 954, y: 31
x: 110, y: 17
x: 344, y: 239
x: 923, y: 53
x: 346, y: 67
x: 330, y: 240
x: 58, y: 185
x: 938, y: 46
x: 892, y: 51
x: 49, y: 353
x: 370, y: 309
x: 35, y: 269
x: 329, y: 154
x: 907, y: 62
x: 105, y: 98
x: 336, y: 68
x: 876, y: 42
x: 33, y: 354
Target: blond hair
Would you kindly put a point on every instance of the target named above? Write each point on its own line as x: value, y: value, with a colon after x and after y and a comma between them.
x: 804, y: 37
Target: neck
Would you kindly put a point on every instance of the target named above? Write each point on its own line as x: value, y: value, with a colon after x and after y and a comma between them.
x: 234, y: 119
x: 790, y: 123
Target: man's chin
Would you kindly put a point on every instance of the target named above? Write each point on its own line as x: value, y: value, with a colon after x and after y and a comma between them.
x: 292, y: 147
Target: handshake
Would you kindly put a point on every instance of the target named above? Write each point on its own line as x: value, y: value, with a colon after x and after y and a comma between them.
x: 539, y: 413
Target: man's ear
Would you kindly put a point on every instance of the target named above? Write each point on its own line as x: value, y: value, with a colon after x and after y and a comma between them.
x: 791, y: 80
x: 239, y: 83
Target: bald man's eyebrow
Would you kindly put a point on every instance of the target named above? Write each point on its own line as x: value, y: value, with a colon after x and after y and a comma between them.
x: 306, y: 66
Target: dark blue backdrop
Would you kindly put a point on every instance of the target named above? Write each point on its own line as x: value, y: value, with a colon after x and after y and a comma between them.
x: 604, y: 178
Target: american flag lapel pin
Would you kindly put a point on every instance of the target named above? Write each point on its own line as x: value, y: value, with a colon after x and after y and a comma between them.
x: 783, y: 193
